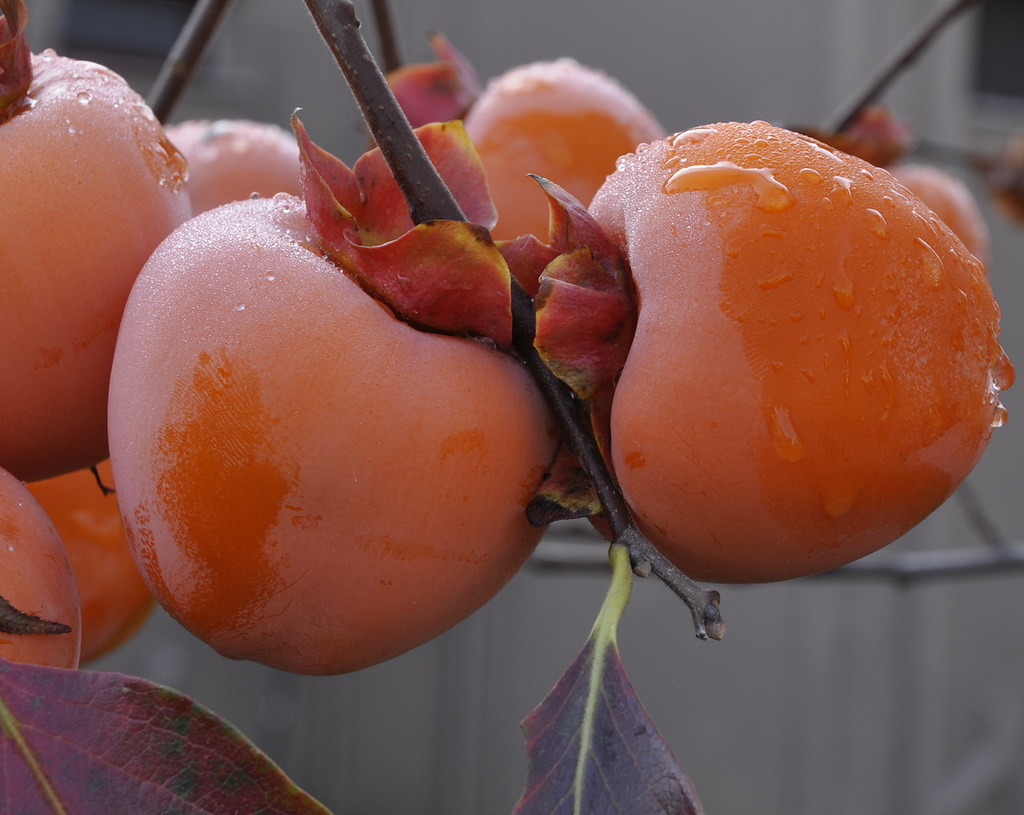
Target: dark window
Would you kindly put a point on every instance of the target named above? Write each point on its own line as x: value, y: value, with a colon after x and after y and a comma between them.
x: 1000, y: 61
x: 135, y: 28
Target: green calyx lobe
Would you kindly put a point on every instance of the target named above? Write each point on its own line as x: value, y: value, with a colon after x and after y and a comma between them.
x: 15, y: 57
x: 440, y: 276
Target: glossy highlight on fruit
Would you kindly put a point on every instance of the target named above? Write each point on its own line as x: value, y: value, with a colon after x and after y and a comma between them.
x: 232, y: 159
x: 115, y: 600
x: 816, y: 365
x: 305, y: 480
x: 559, y: 120
x: 90, y: 185
x: 36, y: 579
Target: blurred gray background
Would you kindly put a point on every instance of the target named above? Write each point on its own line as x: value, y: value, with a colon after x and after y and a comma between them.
x: 846, y: 697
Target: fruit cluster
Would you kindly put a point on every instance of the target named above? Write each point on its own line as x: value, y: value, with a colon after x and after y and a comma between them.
x: 323, y: 440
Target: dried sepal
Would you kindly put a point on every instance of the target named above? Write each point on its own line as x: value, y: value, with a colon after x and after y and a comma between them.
x: 875, y: 135
x: 15, y: 56
x: 566, y: 493
x: 443, y: 276
x: 436, y: 91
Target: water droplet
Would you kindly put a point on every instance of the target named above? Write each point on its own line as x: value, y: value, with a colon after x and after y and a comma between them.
x: 877, y: 224
x: 1003, y: 373
x: 842, y: 289
x: 784, y: 436
x: 694, y: 135
x: 72, y: 130
x: 775, y: 281
x: 932, y: 264
x: 810, y: 176
x: 999, y: 415
x: 838, y: 498
x: 271, y: 278
x: 84, y: 97
x: 240, y: 307
x: 772, y: 196
x: 844, y: 188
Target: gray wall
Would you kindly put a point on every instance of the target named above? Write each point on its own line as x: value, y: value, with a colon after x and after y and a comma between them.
x: 826, y: 696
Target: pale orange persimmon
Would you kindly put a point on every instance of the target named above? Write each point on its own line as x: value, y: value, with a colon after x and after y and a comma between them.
x: 115, y: 601
x: 232, y: 159
x: 816, y: 365
x: 36, y: 579
x: 557, y: 119
x: 305, y: 480
x: 90, y: 185
x: 949, y: 198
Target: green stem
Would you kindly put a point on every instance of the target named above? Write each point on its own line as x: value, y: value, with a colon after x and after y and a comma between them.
x: 603, y: 638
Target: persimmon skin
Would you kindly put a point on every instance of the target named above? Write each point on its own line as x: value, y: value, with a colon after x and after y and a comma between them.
x: 306, y: 481
x: 557, y: 119
x: 90, y: 185
x: 114, y: 599
x: 36, y: 578
x: 949, y: 198
x: 232, y: 159
x: 816, y: 364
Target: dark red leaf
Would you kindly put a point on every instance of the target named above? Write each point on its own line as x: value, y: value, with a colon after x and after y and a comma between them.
x: 15, y: 56
x: 566, y: 493
x: 527, y: 258
x: 91, y: 743
x: 445, y: 276
x: 592, y: 748
x: 436, y: 91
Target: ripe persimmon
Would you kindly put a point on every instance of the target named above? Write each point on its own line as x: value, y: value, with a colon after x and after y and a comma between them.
x: 949, y: 198
x: 557, y: 119
x: 816, y: 364
x: 231, y: 159
x: 36, y: 579
x: 305, y: 480
x: 90, y: 185
x: 114, y: 599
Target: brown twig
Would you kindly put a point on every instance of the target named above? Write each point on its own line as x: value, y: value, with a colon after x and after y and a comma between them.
x: 904, y: 55
x: 180, y: 64
x: 387, y: 36
x: 429, y: 198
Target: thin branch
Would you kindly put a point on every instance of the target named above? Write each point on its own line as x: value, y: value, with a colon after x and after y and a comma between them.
x: 429, y: 198
x: 180, y: 64
x: 904, y: 56
x: 387, y: 36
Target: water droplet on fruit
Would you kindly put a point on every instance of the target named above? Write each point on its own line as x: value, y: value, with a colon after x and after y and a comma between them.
x: 84, y: 97
x: 775, y: 281
x: 844, y: 188
x: 1001, y: 377
x: 877, y: 224
x: 240, y: 307
x: 932, y: 264
x: 838, y: 498
x: 772, y: 196
x: 999, y: 415
x: 810, y: 176
x: 784, y: 436
x: 694, y: 135
x: 271, y: 278
x: 72, y: 130
x: 842, y: 289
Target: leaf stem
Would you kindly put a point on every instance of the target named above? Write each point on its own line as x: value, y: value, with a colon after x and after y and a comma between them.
x: 905, y: 54
x: 180, y: 64
x: 9, y: 726
x: 429, y: 198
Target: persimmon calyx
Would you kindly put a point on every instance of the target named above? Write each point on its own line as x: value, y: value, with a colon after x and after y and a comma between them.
x: 443, y: 276
x: 14, y: 621
x: 875, y: 135
x: 585, y: 321
x: 15, y: 56
x: 437, y: 91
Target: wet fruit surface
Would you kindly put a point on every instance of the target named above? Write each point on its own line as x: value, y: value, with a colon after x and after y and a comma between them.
x: 816, y: 365
x: 305, y: 480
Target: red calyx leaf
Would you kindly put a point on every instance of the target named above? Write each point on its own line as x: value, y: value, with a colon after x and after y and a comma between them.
x: 436, y: 91
x: 15, y: 56
x: 566, y: 493
x: 527, y: 257
x: 445, y: 276
x: 586, y: 310
x: 875, y: 135
x: 606, y: 755
x: 89, y: 742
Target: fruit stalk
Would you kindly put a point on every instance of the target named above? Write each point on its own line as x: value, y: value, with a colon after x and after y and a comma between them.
x: 428, y: 198
x: 177, y: 70
x: 903, y: 57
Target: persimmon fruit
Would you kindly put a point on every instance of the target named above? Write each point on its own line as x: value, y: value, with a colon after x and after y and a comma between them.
x: 949, y: 198
x: 816, y: 364
x: 232, y: 159
x: 305, y: 480
x: 557, y: 119
x: 36, y: 579
x: 90, y: 185
x: 115, y: 601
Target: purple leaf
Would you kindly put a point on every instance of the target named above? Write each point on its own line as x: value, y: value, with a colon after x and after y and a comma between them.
x: 86, y: 742
x: 590, y: 744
